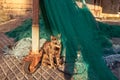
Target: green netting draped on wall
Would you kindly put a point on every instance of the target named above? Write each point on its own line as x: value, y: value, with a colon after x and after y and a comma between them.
x: 83, y: 38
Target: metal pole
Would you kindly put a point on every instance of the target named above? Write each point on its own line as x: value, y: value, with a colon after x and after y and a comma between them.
x: 35, y: 27
x: 34, y: 57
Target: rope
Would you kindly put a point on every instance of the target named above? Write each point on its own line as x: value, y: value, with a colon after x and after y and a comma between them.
x: 21, y: 48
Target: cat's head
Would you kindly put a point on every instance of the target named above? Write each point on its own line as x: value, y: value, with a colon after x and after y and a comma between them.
x: 56, y: 40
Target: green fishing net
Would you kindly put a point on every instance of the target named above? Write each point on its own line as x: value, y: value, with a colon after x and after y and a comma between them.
x: 83, y: 38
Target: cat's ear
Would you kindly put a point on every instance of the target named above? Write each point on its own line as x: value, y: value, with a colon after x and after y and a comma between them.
x: 59, y: 35
x: 59, y: 38
x: 51, y: 37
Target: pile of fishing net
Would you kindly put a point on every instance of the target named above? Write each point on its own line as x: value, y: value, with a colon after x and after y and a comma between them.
x: 83, y: 38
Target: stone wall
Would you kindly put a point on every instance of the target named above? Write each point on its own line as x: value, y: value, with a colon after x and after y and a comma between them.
x: 16, y: 7
x: 95, y: 9
x: 111, y: 6
x: 104, y: 8
x: 24, y: 7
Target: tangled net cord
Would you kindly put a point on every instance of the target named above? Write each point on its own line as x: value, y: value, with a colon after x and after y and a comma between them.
x: 21, y: 48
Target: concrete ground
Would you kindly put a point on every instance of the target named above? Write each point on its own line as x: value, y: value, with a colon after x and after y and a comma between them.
x: 11, y: 68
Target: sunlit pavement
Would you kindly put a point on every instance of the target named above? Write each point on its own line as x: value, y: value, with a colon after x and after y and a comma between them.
x: 11, y: 68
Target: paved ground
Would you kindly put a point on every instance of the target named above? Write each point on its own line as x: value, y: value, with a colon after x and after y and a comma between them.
x: 11, y: 68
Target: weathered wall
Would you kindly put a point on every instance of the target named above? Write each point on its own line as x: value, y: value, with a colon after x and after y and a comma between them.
x: 24, y: 7
x: 104, y: 8
x: 16, y: 7
x: 95, y: 9
x: 111, y: 6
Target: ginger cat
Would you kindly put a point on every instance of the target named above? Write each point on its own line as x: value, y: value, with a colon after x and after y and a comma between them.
x: 51, y: 52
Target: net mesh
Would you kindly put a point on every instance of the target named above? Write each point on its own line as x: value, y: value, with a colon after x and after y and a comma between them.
x: 83, y: 38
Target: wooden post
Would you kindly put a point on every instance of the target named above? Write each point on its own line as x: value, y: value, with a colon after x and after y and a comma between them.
x: 35, y: 27
x: 34, y: 57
